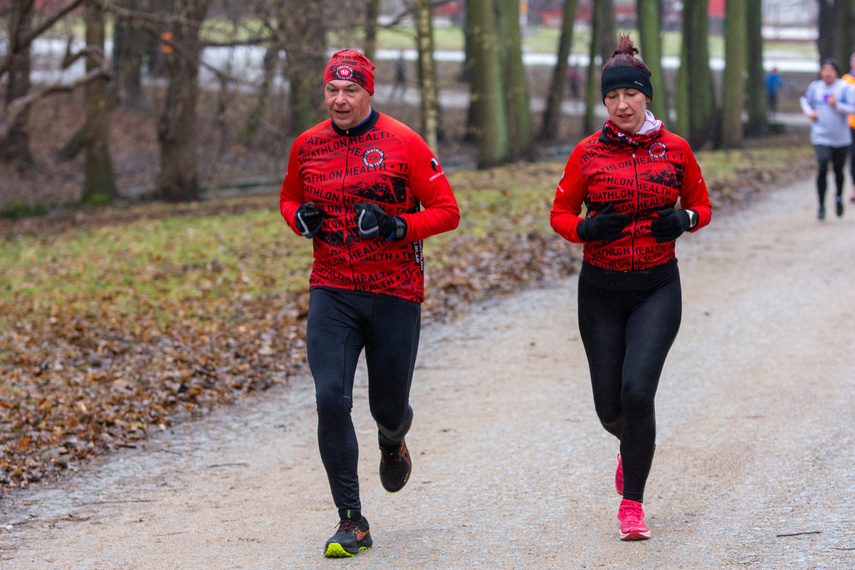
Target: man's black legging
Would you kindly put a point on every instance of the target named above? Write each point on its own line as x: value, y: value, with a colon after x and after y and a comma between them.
x: 837, y: 156
x: 627, y: 335
x: 340, y: 324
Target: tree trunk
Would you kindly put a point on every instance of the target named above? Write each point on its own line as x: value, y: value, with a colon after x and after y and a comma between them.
x: 593, y: 96
x: 844, y: 17
x: 607, y: 38
x: 177, y: 181
x: 17, y: 145
x: 431, y: 127
x: 826, y: 40
x: 99, y: 186
x: 487, y: 90
x: 650, y: 40
x: 372, y: 11
x: 552, y: 114
x: 736, y: 56
x: 516, y: 82
x: 303, y: 38
x: 129, y: 42
x: 271, y: 57
x: 756, y: 85
x: 698, y: 109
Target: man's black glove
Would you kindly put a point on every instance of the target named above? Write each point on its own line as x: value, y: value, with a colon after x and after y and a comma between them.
x: 669, y: 225
x: 308, y: 219
x: 603, y: 226
x: 373, y: 222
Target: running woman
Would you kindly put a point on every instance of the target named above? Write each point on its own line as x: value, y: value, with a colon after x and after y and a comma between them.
x: 630, y: 177
x: 366, y: 190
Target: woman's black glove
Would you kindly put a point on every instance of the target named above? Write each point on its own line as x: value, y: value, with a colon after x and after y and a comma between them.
x: 603, y: 226
x: 309, y: 219
x: 373, y: 222
x: 669, y: 225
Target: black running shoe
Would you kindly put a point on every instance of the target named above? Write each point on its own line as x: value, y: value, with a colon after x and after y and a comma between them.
x: 395, y: 468
x: 351, y: 537
x: 839, y: 206
x: 820, y: 215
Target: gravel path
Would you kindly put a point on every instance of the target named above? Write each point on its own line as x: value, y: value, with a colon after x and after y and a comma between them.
x: 754, y: 464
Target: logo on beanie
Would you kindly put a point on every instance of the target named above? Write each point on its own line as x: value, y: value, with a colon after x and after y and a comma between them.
x: 344, y: 72
x: 434, y: 164
x: 373, y: 157
x: 657, y: 150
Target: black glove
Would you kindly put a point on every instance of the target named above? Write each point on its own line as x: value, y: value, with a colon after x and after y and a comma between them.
x: 669, y: 225
x: 373, y: 222
x: 309, y: 219
x: 603, y: 226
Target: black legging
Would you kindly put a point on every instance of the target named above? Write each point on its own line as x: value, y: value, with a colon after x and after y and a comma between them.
x: 627, y: 335
x: 852, y: 156
x: 340, y: 324
x: 837, y: 156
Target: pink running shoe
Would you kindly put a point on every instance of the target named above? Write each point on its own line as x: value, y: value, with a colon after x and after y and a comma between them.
x: 619, y: 476
x: 631, y: 517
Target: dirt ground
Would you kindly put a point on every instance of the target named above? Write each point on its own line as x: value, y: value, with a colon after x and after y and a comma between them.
x: 753, y: 468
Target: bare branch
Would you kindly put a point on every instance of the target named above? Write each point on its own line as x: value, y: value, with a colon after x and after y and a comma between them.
x: 18, y: 106
x: 17, y: 44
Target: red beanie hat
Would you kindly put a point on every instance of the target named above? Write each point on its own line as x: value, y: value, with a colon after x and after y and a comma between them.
x: 350, y: 65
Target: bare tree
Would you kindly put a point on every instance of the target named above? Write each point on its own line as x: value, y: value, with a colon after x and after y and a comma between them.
x: 696, y: 107
x: 649, y: 30
x: 431, y: 122
x: 177, y: 180
x: 130, y: 39
x: 302, y: 34
x: 736, y: 59
x: 488, y: 101
x: 99, y: 186
x: 372, y: 12
x: 755, y: 84
x: 592, y: 91
x: 552, y: 113
x: 17, y: 141
x: 515, y: 80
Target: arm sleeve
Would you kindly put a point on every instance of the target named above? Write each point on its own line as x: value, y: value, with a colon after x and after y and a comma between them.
x: 567, y: 205
x: 291, y: 196
x: 693, y: 193
x: 846, y: 104
x: 430, y: 185
x: 804, y: 101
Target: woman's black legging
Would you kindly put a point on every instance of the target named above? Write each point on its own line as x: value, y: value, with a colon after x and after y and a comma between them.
x: 627, y: 335
x: 340, y: 324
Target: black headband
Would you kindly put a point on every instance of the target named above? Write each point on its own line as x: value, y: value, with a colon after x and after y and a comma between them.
x: 627, y: 76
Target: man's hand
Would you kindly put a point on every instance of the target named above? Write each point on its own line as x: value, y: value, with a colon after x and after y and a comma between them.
x: 309, y: 219
x: 373, y: 222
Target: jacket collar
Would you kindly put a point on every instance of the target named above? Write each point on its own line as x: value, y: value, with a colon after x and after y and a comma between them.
x: 359, y: 129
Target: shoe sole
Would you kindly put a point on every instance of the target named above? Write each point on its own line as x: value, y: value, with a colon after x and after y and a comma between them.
x: 336, y: 550
x: 635, y: 534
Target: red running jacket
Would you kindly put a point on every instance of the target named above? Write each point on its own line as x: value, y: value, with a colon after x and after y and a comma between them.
x: 640, y: 175
x: 382, y: 161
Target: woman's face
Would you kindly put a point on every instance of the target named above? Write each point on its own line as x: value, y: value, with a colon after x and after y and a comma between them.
x: 627, y: 108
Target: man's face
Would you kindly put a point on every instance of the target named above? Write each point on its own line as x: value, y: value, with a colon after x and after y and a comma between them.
x: 828, y: 73
x: 348, y: 104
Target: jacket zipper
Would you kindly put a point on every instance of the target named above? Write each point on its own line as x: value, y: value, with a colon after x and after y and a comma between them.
x: 635, y: 215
